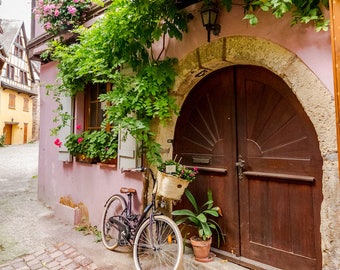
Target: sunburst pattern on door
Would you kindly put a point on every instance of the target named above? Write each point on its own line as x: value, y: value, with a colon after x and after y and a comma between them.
x: 279, y: 132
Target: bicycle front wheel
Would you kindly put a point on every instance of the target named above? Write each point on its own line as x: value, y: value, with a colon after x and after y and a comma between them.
x: 158, y: 245
x: 115, y: 208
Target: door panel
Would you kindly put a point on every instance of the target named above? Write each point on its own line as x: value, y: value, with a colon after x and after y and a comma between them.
x: 25, y: 132
x: 280, y: 195
x: 272, y: 206
x: 205, y: 138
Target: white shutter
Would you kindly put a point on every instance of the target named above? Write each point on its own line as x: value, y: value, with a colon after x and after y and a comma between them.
x: 127, y: 151
x: 63, y: 154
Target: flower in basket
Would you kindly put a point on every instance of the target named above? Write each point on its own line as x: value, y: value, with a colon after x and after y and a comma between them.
x: 173, y: 178
x: 178, y: 170
x: 60, y: 15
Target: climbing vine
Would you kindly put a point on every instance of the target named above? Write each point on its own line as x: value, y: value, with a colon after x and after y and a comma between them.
x: 123, y: 39
x: 303, y: 11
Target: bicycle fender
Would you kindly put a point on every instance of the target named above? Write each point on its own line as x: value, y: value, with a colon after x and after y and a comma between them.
x: 118, y: 195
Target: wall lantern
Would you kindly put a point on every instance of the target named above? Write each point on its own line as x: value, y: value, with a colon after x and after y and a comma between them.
x: 209, y: 14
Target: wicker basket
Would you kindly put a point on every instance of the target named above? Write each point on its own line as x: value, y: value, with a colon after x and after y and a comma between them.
x: 170, y: 187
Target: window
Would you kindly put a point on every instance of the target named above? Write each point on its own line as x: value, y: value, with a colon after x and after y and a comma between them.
x: 18, y: 40
x: 93, y: 107
x: 26, y: 104
x: 23, y: 77
x: 18, y: 52
x: 11, y: 103
x: 10, y: 72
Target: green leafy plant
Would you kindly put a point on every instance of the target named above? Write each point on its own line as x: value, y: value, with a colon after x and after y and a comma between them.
x: 60, y: 15
x: 200, y: 217
x: 302, y: 11
x: 87, y: 229
x: 124, y: 37
x: 2, y: 140
x: 99, y: 144
x: 178, y: 170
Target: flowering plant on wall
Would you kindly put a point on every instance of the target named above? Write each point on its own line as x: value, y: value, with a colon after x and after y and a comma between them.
x: 98, y: 145
x: 60, y: 15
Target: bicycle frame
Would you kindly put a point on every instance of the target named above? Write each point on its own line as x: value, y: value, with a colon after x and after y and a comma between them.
x: 133, y: 227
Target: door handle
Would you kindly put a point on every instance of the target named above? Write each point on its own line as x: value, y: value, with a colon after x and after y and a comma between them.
x: 240, y: 165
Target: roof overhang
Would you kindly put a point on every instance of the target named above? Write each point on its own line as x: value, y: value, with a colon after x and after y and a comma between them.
x: 5, y: 85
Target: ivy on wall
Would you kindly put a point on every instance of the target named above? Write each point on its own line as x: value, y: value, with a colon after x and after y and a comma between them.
x: 123, y: 37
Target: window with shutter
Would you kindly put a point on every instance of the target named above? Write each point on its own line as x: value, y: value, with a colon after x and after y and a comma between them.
x: 94, y: 109
x: 26, y: 104
x: 11, y: 103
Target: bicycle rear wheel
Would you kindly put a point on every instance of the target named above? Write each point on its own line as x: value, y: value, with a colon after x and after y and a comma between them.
x: 158, y: 245
x: 115, y: 208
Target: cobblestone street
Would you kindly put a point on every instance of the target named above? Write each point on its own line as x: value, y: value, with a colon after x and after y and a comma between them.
x: 32, y: 238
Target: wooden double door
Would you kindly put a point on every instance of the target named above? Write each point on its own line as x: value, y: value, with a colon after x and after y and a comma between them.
x: 258, y: 151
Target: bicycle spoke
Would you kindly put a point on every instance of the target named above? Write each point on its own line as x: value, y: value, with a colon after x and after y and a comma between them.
x: 158, y: 245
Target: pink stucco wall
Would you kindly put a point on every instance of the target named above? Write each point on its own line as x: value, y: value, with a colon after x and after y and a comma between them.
x: 87, y: 183
x: 313, y: 48
x: 92, y: 184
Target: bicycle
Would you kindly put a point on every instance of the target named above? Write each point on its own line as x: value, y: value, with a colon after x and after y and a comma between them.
x: 156, y: 240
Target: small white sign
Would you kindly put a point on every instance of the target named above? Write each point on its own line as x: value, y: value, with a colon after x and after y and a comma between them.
x: 170, y: 169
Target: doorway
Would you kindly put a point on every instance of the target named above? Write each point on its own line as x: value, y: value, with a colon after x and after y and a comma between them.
x: 7, y: 131
x: 258, y: 151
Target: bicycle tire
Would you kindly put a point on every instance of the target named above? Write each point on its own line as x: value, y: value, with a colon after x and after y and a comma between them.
x: 168, y: 250
x: 111, y: 235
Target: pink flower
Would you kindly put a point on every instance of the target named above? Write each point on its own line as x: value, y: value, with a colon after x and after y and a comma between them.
x: 80, y: 139
x: 72, y: 10
x: 78, y: 127
x: 75, y: 1
x: 47, y: 25
x: 56, y: 12
x: 58, y: 143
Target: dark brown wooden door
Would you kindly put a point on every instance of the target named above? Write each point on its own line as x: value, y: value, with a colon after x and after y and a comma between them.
x: 248, y: 116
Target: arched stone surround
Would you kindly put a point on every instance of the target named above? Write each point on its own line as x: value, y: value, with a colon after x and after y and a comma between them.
x: 312, y: 94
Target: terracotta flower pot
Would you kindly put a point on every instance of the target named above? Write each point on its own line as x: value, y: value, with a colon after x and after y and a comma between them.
x: 201, y: 249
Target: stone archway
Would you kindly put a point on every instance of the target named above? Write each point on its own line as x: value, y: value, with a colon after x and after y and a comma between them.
x: 312, y: 94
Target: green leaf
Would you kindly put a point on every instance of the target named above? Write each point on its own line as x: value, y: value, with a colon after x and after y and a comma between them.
x: 211, y: 212
x: 202, y: 218
x: 191, y: 199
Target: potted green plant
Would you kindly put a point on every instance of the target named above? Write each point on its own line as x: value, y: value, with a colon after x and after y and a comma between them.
x: 173, y: 178
x: 201, y: 219
x: 104, y: 145
x: 76, y: 146
x: 93, y: 146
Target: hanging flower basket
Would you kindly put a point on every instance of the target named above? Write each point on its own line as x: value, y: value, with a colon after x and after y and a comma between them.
x: 170, y: 187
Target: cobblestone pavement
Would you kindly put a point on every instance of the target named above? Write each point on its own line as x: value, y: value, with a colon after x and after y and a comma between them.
x: 32, y: 238
x: 62, y: 256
